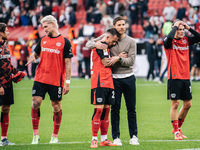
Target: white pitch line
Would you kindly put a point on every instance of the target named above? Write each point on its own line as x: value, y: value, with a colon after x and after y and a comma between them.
x: 78, y: 142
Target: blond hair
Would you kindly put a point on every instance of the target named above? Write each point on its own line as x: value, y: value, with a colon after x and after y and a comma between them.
x: 50, y: 19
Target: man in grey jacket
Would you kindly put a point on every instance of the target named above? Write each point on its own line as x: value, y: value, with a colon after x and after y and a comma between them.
x: 124, y: 79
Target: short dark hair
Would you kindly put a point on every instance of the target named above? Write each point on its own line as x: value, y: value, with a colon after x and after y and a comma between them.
x: 113, y: 32
x: 118, y: 19
x: 2, y: 27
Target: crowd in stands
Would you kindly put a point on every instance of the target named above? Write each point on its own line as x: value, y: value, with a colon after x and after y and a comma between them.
x: 149, y: 19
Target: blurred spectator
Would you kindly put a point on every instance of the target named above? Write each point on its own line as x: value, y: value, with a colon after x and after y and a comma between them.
x: 133, y: 8
x: 16, y: 52
x: 24, y: 19
x: 86, y: 57
x: 88, y: 30
x: 47, y: 8
x: 167, y: 27
x: 157, y: 62
x: 97, y: 16
x: 89, y: 15
x: 119, y: 8
x: 55, y: 9
x: 181, y: 12
x: 62, y: 19
x: 101, y: 6
x: 39, y: 8
x: 34, y: 18
x: 151, y: 54
x: 197, y: 25
x: 163, y: 63
x: 72, y: 17
x: 12, y: 22
x: 151, y: 30
x: 34, y: 64
x: 80, y: 31
x: 74, y: 4
x: 110, y: 7
x: 169, y: 12
x: 128, y: 26
x: 194, y: 3
x: 80, y: 56
x: 4, y: 15
x: 107, y: 19
x: 90, y: 3
x: 143, y: 10
x: 158, y: 19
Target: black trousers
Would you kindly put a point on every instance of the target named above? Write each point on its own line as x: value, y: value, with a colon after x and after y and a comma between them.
x: 127, y: 87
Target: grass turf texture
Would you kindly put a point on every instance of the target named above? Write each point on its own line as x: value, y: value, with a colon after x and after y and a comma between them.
x: 154, y: 125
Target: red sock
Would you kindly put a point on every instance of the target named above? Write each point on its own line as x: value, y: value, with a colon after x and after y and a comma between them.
x: 105, y: 121
x: 4, y: 124
x: 96, y: 121
x: 180, y: 122
x: 56, y: 124
x: 175, y: 125
x: 35, y: 115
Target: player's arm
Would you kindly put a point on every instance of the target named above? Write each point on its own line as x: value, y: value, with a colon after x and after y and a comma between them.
x: 195, y: 38
x: 103, y: 54
x: 167, y: 42
x: 67, y: 53
x: 36, y: 54
x: 14, y: 70
x: 96, y: 43
x: 1, y: 90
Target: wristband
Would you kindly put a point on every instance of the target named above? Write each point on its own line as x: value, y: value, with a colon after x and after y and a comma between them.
x: 67, y: 81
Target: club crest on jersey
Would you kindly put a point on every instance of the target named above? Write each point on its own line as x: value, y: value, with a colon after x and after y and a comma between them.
x: 184, y: 41
x: 58, y: 44
x: 45, y: 42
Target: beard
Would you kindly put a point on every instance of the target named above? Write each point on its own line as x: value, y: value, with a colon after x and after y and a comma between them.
x: 49, y: 34
x: 4, y: 38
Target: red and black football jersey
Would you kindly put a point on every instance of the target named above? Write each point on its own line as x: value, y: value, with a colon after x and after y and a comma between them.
x: 6, y: 69
x: 52, y: 51
x: 101, y: 76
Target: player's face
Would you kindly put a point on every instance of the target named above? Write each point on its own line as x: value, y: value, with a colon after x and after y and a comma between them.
x: 120, y: 26
x: 48, y: 28
x: 5, y: 35
x: 111, y: 40
x: 180, y: 32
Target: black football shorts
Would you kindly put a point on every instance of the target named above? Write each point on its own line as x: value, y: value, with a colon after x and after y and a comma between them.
x: 7, y: 98
x: 40, y: 89
x: 179, y: 89
x: 102, y: 96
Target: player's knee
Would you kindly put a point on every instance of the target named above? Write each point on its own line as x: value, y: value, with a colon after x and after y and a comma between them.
x: 56, y: 108
x: 35, y: 104
x: 5, y: 109
x: 175, y: 105
x: 187, y: 106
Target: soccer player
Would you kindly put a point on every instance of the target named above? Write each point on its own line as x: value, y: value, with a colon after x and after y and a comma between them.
x: 179, y: 88
x: 55, y: 63
x: 102, y: 89
x: 6, y: 87
x: 123, y: 78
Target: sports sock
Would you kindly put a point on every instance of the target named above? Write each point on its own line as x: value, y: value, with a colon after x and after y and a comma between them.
x: 4, y: 125
x: 104, y: 123
x: 180, y: 122
x: 56, y: 124
x: 96, y: 121
x: 35, y: 115
x: 175, y: 125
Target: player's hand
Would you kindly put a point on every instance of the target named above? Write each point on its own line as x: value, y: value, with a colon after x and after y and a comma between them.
x: 177, y: 23
x: 100, y: 45
x: 113, y: 60
x: 123, y: 55
x: 1, y: 91
x: 66, y: 88
x: 31, y: 59
x: 185, y: 25
x: 18, y: 76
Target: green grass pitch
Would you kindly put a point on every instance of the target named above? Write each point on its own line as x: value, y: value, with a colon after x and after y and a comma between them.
x: 154, y: 125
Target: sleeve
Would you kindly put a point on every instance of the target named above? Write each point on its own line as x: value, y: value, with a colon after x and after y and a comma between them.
x: 91, y: 43
x: 38, y: 48
x: 167, y: 42
x: 102, y: 53
x: 195, y: 38
x: 67, y: 52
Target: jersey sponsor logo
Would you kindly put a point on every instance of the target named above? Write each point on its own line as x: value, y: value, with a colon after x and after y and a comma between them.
x: 50, y: 50
x: 45, y: 42
x: 165, y: 38
x: 70, y: 51
x: 59, y: 96
x: 99, y: 100
x: 58, y: 44
x: 4, y: 56
x: 173, y: 95
x: 180, y: 48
